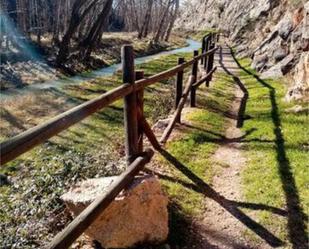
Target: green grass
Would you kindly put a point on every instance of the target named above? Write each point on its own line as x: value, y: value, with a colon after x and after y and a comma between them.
x: 277, y: 170
x: 193, y: 148
x: 30, y: 209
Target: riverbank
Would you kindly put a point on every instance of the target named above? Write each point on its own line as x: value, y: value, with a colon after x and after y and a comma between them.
x: 39, y: 177
x: 20, y: 71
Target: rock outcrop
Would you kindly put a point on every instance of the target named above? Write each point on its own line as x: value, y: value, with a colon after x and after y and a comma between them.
x: 301, y: 78
x: 274, y: 33
x: 138, y: 215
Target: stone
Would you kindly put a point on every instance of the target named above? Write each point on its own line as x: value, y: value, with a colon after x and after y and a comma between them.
x: 261, y: 8
x: 257, y: 28
x: 305, y: 29
x: 280, y: 54
x: 298, y: 16
x: 280, y: 69
x: 138, y: 215
x: 301, y: 75
x: 285, y: 26
x: 161, y: 124
x: 259, y: 62
x: 4, y: 180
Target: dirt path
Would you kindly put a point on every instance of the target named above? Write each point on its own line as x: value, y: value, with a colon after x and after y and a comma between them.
x: 220, y: 226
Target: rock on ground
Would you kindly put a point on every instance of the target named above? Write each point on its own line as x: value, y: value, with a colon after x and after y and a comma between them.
x: 138, y: 215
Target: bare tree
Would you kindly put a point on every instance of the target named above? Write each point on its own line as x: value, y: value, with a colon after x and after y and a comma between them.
x: 79, y: 11
x: 96, y: 31
x: 143, y: 32
x: 76, y: 26
x: 160, y: 27
x: 173, y: 19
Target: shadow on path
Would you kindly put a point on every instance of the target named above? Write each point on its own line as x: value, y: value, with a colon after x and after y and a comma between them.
x: 231, y: 206
x: 296, y: 218
x: 244, y: 99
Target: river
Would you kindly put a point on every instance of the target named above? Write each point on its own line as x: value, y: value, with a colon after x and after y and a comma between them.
x: 106, y: 71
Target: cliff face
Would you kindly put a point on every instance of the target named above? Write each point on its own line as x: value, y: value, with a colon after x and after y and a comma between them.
x: 274, y: 33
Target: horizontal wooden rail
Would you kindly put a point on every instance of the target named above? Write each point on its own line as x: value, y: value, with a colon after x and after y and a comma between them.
x: 177, y: 112
x: 25, y: 141
x: 65, y: 238
x: 171, y: 72
x: 132, y: 92
x: 202, y: 80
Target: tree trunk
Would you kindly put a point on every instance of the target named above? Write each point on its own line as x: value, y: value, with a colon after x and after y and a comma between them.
x: 171, y: 25
x: 96, y: 31
x: 162, y: 22
x: 75, y: 21
x: 145, y: 28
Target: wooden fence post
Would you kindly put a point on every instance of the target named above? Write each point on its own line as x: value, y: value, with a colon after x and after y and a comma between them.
x: 206, y: 50
x: 140, y: 104
x: 210, y: 64
x: 203, y: 49
x: 130, y: 104
x: 179, y: 86
x: 194, y: 75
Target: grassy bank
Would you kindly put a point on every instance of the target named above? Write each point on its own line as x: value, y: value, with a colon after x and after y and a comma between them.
x: 31, y: 212
x: 187, y: 167
x: 277, y: 172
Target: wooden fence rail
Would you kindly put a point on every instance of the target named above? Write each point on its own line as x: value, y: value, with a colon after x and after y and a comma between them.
x: 135, y: 124
x: 88, y: 216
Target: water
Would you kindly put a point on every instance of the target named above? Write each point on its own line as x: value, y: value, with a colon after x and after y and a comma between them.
x: 107, y: 71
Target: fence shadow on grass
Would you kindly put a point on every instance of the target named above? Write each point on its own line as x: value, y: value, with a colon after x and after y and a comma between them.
x: 242, y: 109
x: 232, y: 207
x: 296, y: 218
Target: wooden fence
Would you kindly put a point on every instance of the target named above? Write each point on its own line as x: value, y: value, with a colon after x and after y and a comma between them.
x: 136, y: 126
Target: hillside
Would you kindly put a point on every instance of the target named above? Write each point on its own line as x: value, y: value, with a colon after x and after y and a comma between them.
x: 275, y: 34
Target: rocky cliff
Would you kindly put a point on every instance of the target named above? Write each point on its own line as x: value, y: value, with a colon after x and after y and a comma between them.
x: 274, y: 33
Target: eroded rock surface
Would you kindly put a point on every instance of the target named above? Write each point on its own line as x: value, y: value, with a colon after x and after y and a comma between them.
x: 138, y: 215
x: 274, y: 33
x: 300, y: 88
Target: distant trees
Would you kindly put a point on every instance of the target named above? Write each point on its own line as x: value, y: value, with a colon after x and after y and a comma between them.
x: 78, y: 25
x: 149, y: 16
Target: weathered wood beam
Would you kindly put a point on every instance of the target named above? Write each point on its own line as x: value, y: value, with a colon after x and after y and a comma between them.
x: 179, y: 86
x: 25, y: 141
x: 182, y: 102
x: 202, y: 80
x: 194, y: 75
x: 130, y: 104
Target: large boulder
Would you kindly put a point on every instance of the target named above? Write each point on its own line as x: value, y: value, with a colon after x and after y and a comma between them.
x: 138, y: 215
